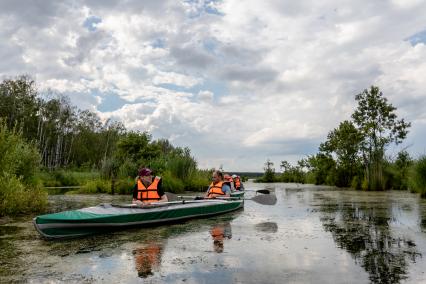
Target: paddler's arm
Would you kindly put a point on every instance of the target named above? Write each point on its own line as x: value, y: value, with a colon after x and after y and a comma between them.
x: 206, y: 195
x: 135, y: 194
x: 227, y: 190
x: 161, y: 192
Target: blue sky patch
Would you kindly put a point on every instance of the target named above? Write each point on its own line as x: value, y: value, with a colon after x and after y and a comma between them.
x: 159, y: 43
x: 110, y: 101
x: 90, y: 23
x: 417, y: 38
x: 206, y: 8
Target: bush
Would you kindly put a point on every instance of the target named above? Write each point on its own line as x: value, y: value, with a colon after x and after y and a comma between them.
x: 197, y: 183
x: 418, y: 176
x: 172, y: 184
x: 19, y: 160
x: 17, y: 198
x: 95, y: 186
x: 356, y: 183
x: 124, y: 186
x: 67, y: 177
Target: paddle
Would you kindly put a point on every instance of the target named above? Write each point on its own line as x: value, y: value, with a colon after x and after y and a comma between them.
x: 264, y: 191
x: 264, y: 199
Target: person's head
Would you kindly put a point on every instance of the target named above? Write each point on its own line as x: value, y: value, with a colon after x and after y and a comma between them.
x: 145, y: 174
x: 217, y: 176
x: 234, y: 176
x: 227, y: 177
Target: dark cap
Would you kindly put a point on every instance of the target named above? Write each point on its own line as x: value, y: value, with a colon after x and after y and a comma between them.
x: 145, y: 172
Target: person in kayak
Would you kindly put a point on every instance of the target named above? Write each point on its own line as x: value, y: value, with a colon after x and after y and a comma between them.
x: 148, y: 189
x: 218, y: 187
x: 227, y: 179
x: 238, y: 185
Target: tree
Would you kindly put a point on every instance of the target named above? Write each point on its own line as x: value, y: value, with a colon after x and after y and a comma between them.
x: 269, y: 175
x: 323, y: 168
x: 377, y: 123
x: 344, y: 143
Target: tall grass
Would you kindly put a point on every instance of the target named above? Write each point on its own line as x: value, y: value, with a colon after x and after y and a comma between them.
x: 418, y: 176
x: 67, y: 177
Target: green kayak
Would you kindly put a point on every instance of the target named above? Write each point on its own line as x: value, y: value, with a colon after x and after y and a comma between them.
x: 106, y: 217
x: 237, y: 193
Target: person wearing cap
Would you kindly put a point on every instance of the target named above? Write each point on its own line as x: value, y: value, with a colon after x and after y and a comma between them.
x: 218, y: 188
x: 238, y: 185
x: 148, y: 189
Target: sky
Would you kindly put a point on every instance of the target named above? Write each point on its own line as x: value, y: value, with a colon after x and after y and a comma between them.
x: 238, y: 82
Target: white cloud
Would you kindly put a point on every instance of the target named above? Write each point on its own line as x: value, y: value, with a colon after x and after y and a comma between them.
x: 261, y: 79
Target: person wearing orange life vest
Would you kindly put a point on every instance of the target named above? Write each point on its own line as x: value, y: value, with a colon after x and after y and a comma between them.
x: 218, y: 187
x: 227, y: 179
x: 238, y: 185
x: 148, y: 189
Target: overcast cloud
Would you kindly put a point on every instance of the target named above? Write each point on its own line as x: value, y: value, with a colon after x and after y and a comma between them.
x: 236, y: 81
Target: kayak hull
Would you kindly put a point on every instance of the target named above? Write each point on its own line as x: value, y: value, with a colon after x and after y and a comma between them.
x: 106, y: 217
x: 237, y: 193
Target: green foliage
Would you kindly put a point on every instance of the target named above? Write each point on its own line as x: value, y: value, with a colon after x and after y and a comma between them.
x: 67, y: 177
x: 323, y: 169
x: 418, y: 176
x: 171, y: 183
x: 95, y: 186
x: 396, y: 173
x: 199, y: 181
x: 344, y: 143
x: 124, y: 186
x: 356, y: 183
x: 19, y: 160
x: 377, y: 122
x: 269, y: 175
x: 18, y: 198
x: 293, y: 173
x: 182, y: 165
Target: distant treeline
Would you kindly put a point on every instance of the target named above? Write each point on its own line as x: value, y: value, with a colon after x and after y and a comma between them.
x: 354, y: 154
x: 46, y: 141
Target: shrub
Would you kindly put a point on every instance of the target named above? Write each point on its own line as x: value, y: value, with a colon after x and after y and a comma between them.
x: 95, y: 186
x: 171, y: 183
x: 19, y: 191
x: 124, y: 186
x: 418, y: 176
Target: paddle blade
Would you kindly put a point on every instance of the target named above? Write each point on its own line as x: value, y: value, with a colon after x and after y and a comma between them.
x: 265, y: 199
x: 263, y: 191
x: 172, y: 196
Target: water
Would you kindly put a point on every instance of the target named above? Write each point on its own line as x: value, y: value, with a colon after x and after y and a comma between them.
x: 312, y: 235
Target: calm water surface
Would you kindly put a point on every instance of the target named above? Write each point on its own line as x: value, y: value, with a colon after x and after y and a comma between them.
x: 312, y: 235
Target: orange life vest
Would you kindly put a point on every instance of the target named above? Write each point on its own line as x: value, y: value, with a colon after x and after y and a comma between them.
x: 237, y: 182
x: 216, y: 188
x: 149, y: 194
x: 147, y: 259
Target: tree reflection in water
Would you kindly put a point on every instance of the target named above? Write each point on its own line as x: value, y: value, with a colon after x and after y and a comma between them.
x: 147, y: 259
x: 363, y: 231
x: 219, y: 233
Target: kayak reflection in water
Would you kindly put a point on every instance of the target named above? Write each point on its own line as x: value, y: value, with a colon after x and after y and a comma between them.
x: 148, y: 259
x: 219, y: 233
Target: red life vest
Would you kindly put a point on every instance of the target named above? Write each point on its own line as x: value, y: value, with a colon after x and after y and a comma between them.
x: 216, y: 189
x: 149, y: 194
x: 237, y: 182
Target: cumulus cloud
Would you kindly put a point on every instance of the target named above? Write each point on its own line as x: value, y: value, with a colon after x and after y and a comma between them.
x: 236, y: 81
